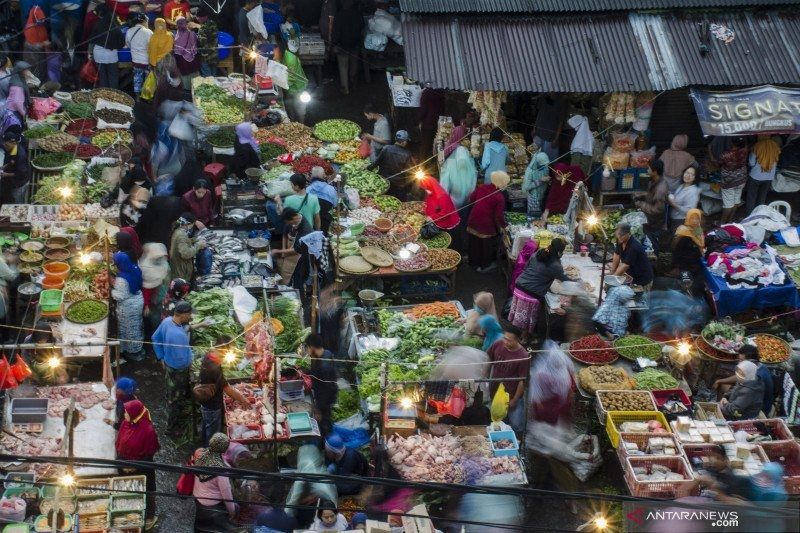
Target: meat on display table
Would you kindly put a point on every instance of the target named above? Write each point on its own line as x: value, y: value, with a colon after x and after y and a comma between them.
x: 92, y: 437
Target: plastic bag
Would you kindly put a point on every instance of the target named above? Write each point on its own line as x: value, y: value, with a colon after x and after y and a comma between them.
x: 180, y: 128
x: 244, y: 304
x: 278, y: 187
x: 375, y: 42
x: 88, y: 72
x: 364, y: 149
x: 20, y: 369
x: 165, y: 185
x: 642, y: 158
x: 351, y: 198
x: 616, y: 160
x: 583, y: 470
x: 7, y: 380
x: 499, y: 408
x: 623, y: 142
x: 149, y: 86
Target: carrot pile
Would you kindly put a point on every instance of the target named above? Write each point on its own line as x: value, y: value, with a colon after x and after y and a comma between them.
x: 441, y: 309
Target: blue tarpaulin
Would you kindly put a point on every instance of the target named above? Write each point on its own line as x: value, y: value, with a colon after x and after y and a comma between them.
x: 732, y: 301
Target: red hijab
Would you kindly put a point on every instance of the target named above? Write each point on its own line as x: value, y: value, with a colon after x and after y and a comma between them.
x: 438, y: 204
x: 137, y: 439
x: 35, y: 28
x: 135, y: 244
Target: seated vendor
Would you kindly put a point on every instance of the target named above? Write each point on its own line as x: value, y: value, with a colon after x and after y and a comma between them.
x: 745, y: 399
x: 630, y: 258
x: 612, y: 317
x: 748, y: 352
x: 344, y: 461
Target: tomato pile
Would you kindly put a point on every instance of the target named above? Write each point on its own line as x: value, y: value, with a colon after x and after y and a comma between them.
x: 592, y: 349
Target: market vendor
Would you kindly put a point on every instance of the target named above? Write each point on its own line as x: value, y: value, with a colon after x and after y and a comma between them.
x: 395, y: 163
x: 323, y: 380
x: 630, y: 258
x: 210, y: 388
x: 483, y: 304
x: 748, y: 352
x: 685, y: 197
x: 344, y: 461
x: 183, y: 248
x: 175, y: 9
x: 289, y: 254
x: 16, y: 168
x: 746, y: 398
x: 8, y: 273
x: 654, y: 203
x: 38, y: 357
x: 200, y: 202
x: 381, y: 134
x: 613, y: 314
x: 564, y: 178
x: 534, y: 283
x: 176, y: 292
x: 326, y: 196
x: 245, y: 150
x: 303, y: 202
x: 486, y: 221
x: 676, y: 159
x: 510, y: 360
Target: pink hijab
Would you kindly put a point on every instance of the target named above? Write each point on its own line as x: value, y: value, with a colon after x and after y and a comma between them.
x: 185, y: 41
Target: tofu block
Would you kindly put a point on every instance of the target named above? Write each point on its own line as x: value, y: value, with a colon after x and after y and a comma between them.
x: 742, y: 451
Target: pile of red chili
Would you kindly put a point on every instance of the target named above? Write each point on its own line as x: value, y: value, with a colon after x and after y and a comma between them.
x: 83, y: 127
x: 592, y: 349
x: 83, y: 151
x: 305, y: 163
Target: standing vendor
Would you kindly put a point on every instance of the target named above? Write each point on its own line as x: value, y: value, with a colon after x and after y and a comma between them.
x: 630, y: 258
x: 344, y: 461
x: 182, y: 248
x: 510, y: 361
x: 16, y: 170
x: 323, y: 380
x: 289, y: 255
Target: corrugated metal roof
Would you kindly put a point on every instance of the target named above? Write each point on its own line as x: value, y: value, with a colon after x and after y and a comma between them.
x: 553, y: 6
x: 618, y: 52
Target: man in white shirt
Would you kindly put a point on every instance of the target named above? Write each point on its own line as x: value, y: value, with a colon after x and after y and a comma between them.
x: 137, y: 39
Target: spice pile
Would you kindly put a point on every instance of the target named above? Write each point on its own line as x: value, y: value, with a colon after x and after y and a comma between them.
x: 593, y: 350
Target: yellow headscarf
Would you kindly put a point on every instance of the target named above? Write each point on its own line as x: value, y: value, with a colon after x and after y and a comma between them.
x: 160, y: 42
x: 767, y: 152
x: 692, y: 228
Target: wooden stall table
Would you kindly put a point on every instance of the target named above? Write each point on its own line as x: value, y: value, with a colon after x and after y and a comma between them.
x: 347, y: 281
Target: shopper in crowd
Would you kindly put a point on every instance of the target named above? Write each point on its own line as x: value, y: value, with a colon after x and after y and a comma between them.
x: 210, y: 388
x: 328, y: 519
x: 438, y: 204
x: 534, y: 183
x: 768, y: 486
x: 104, y: 45
x: 16, y: 167
x: 169, y: 85
x: 323, y: 383
x: 359, y: 521
x: 127, y: 295
x: 326, y: 195
x: 245, y: 36
x: 186, y: 54
x: 733, y: 175
x: 173, y: 349
x: 726, y: 485
x: 347, y: 462
x: 654, y: 204
x: 686, y: 196
x: 176, y: 292
x: 160, y: 44
x: 275, y: 518
x: 582, y: 143
x: 128, y: 241
x: 36, y: 41
x: 510, y: 361
x: 746, y: 398
x: 431, y: 107
x: 289, y: 254
x: 301, y: 201
x: 563, y: 179
x: 124, y: 392
x: 6, y: 68
x: 175, y: 9
x: 676, y: 159
x: 534, y: 283
x: 213, y: 494
x: 492, y: 330
x: 495, y: 155
x: 630, y: 258
x: 207, y: 40
x: 154, y: 265
x: 688, y: 246
x: 611, y: 318
x: 182, y: 248
x: 347, y: 39
x: 137, y: 440
x: 763, y: 165
x: 483, y: 305
x: 748, y: 352
x: 381, y: 134
x: 460, y: 136
x: 19, y: 95
x: 394, y: 162
x: 486, y: 219
x: 552, y: 388
x: 459, y: 177
x: 138, y: 40
x: 549, y: 123
x: 246, y: 151
x: 200, y: 201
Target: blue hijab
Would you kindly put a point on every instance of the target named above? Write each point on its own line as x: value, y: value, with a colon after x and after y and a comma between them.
x: 492, y: 329
x: 129, y: 271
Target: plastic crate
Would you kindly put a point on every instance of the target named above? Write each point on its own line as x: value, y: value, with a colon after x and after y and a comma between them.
x: 659, y: 489
x: 494, y: 436
x: 628, y: 179
x: 117, y: 483
x: 615, y: 418
x: 787, y: 454
x: 776, y: 425
x: 600, y: 409
x: 708, y: 411
x: 699, y: 451
x: 662, y: 396
x: 50, y: 300
x: 641, y: 440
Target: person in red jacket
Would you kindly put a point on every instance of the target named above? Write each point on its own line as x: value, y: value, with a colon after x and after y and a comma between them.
x: 201, y: 202
x: 438, y: 204
x: 137, y: 441
x: 485, y: 221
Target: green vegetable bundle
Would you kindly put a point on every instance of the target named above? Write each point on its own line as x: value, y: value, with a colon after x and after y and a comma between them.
x: 387, y: 203
x: 222, y: 138
x: 52, y: 159
x: 652, y: 379
x: 96, y: 191
x: 336, y: 130
x: 516, y: 218
x: 633, y: 346
x: 275, y: 172
x: 39, y: 132
x: 218, y: 105
x: 366, y: 182
x: 78, y: 110
x: 50, y: 188
x: 270, y: 151
x: 347, y: 404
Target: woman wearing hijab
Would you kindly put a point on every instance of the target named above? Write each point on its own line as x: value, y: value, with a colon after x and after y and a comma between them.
x: 495, y: 154
x: 37, y: 41
x: 438, y: 204
x: 534, y: 183
x: 137, y: 441
x: 484, y: 305
x: 185, y: 50
x: 169, y: 84
x: 676, y: 159
x: 492, y: 331
x: 177, y: 291
x: 564, y: 177
x: 763, y: 165
x: 744, y: 400
x: 534, y: 283
x: 124, y: 391
x: 19, y: 95
x: 183, y: 248
x: 613, y: 315
x: 104, y: 44
x: 459, y: 176
x: 245, y: 150
x: 459, y: 134
x: 128, y: 241
x: 213, y: 496
x: 201, y: 202
x: 688, y: 247
x: 127, y: 293
x: 486, y: 218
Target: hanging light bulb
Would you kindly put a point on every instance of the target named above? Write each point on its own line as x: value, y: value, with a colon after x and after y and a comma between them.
x: 84, y: 258
x: 305, y: 97
x: 54, y: 362
x: 406, y: 402
x: 606, y: 172
x: 67, y: 480
x: 592, y: 220
x: 420, y: 175
x: 253, y: 54
x: 66, y: 192
x: 229, y: 357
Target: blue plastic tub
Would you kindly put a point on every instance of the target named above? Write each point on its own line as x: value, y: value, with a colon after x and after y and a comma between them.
x: 495, y: 436
x: 224, y: 40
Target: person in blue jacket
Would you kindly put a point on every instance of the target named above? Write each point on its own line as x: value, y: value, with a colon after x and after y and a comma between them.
x: 495, y: 154
x: 345, y: 461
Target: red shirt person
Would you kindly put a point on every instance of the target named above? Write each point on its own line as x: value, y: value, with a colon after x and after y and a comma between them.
x: 510, y: 360
x: 438, y: 204
x: 201, y: 202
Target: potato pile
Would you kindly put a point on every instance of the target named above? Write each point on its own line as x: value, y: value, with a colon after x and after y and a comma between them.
x: 604, y: 377
x: 625, y: 401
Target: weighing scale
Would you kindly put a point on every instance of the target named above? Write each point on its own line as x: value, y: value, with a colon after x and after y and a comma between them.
x: 399, y: 418
x: 368, y: 298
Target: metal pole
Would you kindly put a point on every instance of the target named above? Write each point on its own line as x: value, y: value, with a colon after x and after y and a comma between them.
x: 603, y: 265
x: 275, y: 406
